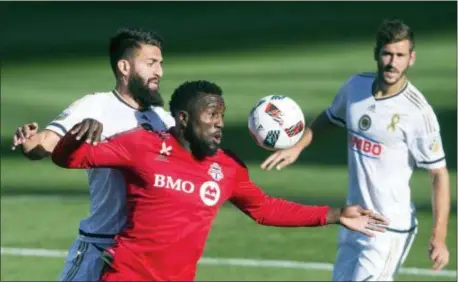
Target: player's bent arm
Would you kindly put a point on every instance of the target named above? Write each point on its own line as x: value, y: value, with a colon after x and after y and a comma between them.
x: 320, y: 125
x: 113, y: 153
x: 40, y: 145
x: 440, y: 202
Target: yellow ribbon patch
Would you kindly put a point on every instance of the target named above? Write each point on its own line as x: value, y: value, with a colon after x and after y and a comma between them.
x: 394, y: 121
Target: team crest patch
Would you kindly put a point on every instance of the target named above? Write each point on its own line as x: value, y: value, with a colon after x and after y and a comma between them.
x: 216, y: 172
x: 364, y: 123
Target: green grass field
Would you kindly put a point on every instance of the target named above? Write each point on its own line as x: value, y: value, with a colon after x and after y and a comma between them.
x: 41, y: 204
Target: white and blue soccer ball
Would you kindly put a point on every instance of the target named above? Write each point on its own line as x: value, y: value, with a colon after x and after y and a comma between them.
x: 276, y: 122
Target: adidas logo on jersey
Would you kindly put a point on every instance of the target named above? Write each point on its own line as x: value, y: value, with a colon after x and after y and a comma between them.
x: 371, y: 108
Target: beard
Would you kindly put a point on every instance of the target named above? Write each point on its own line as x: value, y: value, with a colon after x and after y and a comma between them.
x: 142, y: 94
x: 382, y: 69
x: 199, y: 147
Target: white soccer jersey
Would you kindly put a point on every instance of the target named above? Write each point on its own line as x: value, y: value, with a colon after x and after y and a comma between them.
x: 387, y: 138
x: 106, y: 186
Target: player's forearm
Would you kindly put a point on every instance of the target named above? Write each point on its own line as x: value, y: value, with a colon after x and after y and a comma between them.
x: 279, y: 212
x: 71, y: 153
x: 306, y: 139
x: 33, y: 148
x: 320, y: 125
x: 440, y: 204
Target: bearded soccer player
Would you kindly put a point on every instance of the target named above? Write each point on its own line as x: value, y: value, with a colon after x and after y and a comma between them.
x: 178, y: 180
x: 136, y: 60
x: 391, y: 129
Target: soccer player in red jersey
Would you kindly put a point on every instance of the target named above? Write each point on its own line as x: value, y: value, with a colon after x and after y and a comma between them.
x: 176, y: 183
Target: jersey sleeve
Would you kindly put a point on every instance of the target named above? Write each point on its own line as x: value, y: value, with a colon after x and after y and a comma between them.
x: 267, y: 210
x: 116, y: 152
x: 337, y: 111
x: 425, y: 143
x: 73, y: 114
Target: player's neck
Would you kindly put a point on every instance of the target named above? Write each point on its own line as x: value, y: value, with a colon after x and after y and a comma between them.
x: 127, y: 97
x: 179, y: 135
x: 383, y: 90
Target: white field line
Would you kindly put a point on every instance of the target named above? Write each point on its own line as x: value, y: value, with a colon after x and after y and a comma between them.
x: 234, y: 262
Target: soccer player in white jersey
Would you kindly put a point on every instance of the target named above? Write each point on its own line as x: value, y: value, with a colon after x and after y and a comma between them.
x: 391, y: 130
x: 136, y: 60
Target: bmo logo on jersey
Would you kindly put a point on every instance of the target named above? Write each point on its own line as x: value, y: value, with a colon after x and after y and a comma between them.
x: 365, y: 147
x: 209, y: 191
x: 162, y: 181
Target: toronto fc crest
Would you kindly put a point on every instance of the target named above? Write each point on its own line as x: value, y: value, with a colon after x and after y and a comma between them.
x: 215, y: 172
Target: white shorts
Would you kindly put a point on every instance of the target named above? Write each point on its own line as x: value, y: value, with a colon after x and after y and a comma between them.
x: 83, y: 262
x: 363, y: 258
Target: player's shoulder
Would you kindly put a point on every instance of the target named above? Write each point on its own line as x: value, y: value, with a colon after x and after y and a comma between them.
x: 104, y: 97
x: 417, y: 106
x: 165, y: 116
x: 415, y: 101
x: 231, y: 158
x: 362, y: 77
x: 154, y: 134
x: 91, y: 99
x: 142, y: 133
x: 358, y: 79
x: 415, y: 96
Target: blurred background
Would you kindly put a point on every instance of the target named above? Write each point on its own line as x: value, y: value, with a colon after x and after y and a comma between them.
x: 53, y: 53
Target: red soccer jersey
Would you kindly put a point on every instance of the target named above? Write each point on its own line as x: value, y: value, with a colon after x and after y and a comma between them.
x: 173, y: 198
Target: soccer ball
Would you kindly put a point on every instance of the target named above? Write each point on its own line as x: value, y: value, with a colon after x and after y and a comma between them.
x: 276, y: 122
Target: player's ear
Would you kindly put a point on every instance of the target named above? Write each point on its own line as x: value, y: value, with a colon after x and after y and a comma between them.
x: 123, y: 67
x: 183, y: 117
x: 413, y: 57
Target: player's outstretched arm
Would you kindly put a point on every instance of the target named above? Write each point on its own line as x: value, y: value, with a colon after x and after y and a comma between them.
x: 283, y: 158
x: 75, y: 150
x: 272, y: 211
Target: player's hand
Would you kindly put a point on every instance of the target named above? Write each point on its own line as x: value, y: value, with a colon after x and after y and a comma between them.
x: 89, y: 130
x: 281, y: 158
x: 362, y: 220
x: 23, y: 133
x: 439, y: 254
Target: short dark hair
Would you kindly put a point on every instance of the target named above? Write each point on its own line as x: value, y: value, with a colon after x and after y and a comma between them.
x: 124, y: 43
x: 184, y: 95
x: 392, y: 31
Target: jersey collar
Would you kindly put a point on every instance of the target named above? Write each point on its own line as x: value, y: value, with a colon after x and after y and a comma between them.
x: 118, y: 96
x: 392, y: 96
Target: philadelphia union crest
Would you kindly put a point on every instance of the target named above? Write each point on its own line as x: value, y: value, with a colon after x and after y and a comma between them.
x: 364, y: 123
